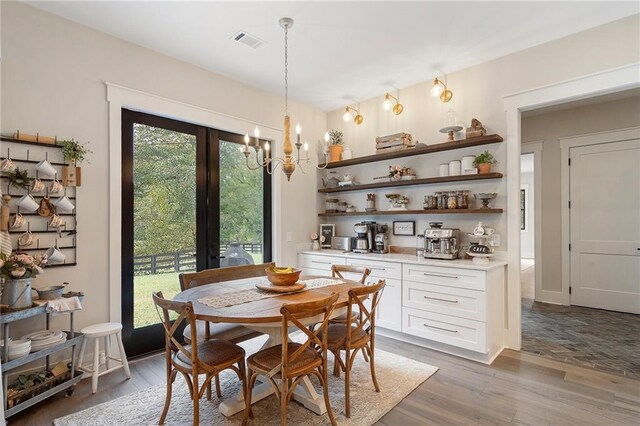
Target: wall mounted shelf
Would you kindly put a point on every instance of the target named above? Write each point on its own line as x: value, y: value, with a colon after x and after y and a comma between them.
x: 423, y: 181
x: 414, y: 212
x: 46, y: 145
x: 439, y: 147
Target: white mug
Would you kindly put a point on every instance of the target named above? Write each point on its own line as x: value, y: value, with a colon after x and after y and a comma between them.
x: 454, y: 168
x: 46, y: 168
x: 444, y: 169
x: 54, y: 255
x: 26, y: 239
x: 37, y: 186
x: 28, y: 204
x: 55, y: 187
x: 7, y: 165
x: 63, y: 205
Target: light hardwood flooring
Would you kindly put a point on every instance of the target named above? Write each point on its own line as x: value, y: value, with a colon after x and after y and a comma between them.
x: 519, y: 388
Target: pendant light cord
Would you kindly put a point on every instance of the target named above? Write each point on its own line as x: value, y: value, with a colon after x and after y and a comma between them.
x: 286, y: 71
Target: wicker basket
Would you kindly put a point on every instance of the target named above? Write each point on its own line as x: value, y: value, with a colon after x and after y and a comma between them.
x: 26, y: 394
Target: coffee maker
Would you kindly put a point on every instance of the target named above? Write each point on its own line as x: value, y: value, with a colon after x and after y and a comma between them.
x: 363, y: 243
x: 441, y: 243
x: 381, y: 240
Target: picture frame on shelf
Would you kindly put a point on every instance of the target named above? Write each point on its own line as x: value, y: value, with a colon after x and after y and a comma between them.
x: 327, y: 230
x: 404, y: 227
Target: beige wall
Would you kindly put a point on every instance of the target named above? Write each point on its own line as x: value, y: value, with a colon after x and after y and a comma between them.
x: 478, y: 92
x: 53, y: 74
x: 549, y: 128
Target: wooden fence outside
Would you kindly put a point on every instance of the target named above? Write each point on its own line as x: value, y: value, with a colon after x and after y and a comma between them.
x: 179, y: 261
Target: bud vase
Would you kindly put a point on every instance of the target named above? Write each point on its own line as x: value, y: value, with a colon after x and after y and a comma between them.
x: 315, y: 245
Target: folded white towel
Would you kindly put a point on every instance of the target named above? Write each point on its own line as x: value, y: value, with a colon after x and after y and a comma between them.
x: 64, y: 304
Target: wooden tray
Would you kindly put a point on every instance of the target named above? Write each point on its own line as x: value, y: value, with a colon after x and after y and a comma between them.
x: 267, y: 286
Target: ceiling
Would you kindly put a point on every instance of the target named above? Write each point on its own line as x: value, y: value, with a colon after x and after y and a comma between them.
x: 339, y: 51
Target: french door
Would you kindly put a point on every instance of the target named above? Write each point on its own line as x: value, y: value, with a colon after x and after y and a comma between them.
x: 186, y: 196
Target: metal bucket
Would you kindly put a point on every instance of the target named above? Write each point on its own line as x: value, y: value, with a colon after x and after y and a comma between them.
x: 16, y: 294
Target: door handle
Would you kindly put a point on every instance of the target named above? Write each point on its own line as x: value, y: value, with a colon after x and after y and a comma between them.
x: 217, y: 257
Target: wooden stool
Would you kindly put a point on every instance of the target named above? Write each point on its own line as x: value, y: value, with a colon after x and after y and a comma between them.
x: 106, y: 330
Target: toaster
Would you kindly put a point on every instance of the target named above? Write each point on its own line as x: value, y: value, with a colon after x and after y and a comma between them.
x: 341, y: 243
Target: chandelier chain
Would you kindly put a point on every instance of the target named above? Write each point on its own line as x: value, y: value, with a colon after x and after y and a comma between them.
x: 286, y: 71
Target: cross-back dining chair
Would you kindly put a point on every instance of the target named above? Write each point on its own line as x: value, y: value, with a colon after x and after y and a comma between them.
x: 208, y: 357
x: 290, y: 362
x: 336, y: 272
x: 355, y: 337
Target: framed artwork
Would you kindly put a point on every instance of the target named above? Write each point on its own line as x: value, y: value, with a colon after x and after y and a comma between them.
x: 404, y: 227
x: 327, y: 230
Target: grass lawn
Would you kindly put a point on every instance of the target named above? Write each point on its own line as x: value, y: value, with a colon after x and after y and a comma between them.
x: 143, y: 308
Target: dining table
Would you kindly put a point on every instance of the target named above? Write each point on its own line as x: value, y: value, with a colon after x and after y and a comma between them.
x: 263, y: 315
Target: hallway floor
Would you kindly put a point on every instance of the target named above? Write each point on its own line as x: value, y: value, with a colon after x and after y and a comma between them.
x: 603, y: 340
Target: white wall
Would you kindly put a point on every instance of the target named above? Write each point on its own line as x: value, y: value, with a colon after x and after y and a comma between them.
x: 478, y: 92
x: 527, y: 240
x: 53, y: 74
x: 549, y: 127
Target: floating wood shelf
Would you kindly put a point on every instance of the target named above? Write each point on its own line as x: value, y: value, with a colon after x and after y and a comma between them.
x: 424, y: 181
x: 414, y: 212
x: 46, y: 145
x: 439, y: 147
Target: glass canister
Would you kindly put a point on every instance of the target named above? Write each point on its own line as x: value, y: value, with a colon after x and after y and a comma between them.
x: 331, y: 205
x: 463, y: 199
x: 420, y: 245
x: 452, y: 200
x: 342, y: 206
x: 443, y: 197
x: 432, y: 202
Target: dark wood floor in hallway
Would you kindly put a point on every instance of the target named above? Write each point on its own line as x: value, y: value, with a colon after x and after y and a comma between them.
x: 519, y: 388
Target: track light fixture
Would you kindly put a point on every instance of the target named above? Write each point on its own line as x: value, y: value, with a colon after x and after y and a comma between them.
x: 348, y: 116
x: 388, y: 103
x: 439, y: 89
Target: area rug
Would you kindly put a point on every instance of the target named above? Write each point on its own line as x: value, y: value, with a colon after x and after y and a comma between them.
x: 397, y: 376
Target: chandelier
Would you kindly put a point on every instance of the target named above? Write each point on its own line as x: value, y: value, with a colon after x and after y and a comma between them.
x: 263, y: 156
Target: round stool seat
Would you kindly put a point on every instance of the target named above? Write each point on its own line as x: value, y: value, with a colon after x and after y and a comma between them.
x: 102, y: 329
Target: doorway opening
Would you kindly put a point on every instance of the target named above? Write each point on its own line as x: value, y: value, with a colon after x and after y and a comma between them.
x: 586, y: 259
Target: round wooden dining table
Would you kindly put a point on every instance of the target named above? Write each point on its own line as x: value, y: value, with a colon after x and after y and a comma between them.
x: 264, y: 316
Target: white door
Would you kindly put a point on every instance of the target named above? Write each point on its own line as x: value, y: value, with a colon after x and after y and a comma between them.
x: 604, y: 189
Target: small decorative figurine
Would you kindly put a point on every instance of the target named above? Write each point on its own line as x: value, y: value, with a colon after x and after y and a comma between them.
x: 476, y: 129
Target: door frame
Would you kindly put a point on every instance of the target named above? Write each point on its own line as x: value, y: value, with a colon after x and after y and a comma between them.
x: 583, y: 87
x: 566, y: 144
x: 535, y: 148
x: 119, y: 97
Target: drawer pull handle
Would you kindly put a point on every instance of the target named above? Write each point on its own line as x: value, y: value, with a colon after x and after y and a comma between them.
x: 440, y: 275
x: 441, y: 300
x: 440, y: 328
x: 322, y: 263
x: 370, y: 267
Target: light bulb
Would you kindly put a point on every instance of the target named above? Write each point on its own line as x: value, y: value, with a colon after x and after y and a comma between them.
x: 246, y: 138
x: 298, y: 129
x: 326, y: 137
x: 347, y: 116
x: 306, y: 146
x: 256, y: 132
x: 242, y: 148
x: 436, y: 90
x: 267, y: 146
x: 386, y: 105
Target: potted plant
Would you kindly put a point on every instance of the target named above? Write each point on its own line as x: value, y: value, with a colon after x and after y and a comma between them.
x: 18, y: 270
x: 73, y: 153
x: 484, y: 162
x: 335, y: 145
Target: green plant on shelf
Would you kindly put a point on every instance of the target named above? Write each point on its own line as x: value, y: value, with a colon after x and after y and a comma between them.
x: 484, y: 158
x: 74, y: 152
x: 335, y: 137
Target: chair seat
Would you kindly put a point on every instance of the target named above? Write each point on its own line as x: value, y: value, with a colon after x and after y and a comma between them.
x: 102, y: 329
x: 231, y: 332
x: 337, y: 336
x: 268, y: 359
x: 214, y: 352
x: 342, y: 319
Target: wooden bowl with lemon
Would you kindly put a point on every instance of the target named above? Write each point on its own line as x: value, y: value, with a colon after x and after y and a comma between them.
x: 283, y: 276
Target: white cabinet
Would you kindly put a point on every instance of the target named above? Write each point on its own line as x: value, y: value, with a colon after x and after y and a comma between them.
x: 317, y: 264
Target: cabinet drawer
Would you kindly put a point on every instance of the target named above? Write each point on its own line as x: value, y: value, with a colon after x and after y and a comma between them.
x: 460, y: 332
x: 458, y: 302
x: 379, y: 269
x: 454, y: 277
x: 322, y: 263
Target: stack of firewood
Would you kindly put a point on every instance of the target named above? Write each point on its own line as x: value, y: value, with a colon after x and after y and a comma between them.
x: 391, y: 143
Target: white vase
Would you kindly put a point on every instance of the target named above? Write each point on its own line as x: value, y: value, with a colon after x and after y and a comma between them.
x: 315, y: 245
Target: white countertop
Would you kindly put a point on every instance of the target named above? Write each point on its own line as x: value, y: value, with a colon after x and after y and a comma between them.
x: 409, y: 258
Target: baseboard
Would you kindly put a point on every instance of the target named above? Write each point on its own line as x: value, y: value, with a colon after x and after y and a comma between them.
x: 547, y: 296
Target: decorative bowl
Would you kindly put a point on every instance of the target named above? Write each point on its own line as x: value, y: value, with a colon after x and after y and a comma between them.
x: 283, y: 278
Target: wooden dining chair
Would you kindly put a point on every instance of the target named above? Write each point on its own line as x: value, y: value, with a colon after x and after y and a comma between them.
x: 336, y: 272
x: 208, y: 357
x: 352, y: 338
x: 290, y: 362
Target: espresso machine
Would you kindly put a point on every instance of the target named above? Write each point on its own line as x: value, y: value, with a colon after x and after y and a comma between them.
x: 381, y: 240
x: 365, y: 231
x: 441, y: 243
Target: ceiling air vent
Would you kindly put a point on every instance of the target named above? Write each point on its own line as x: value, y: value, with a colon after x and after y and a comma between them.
x: 248, y: 39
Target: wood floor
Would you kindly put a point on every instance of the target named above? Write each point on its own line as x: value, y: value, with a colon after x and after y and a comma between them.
x: 519, y: 388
